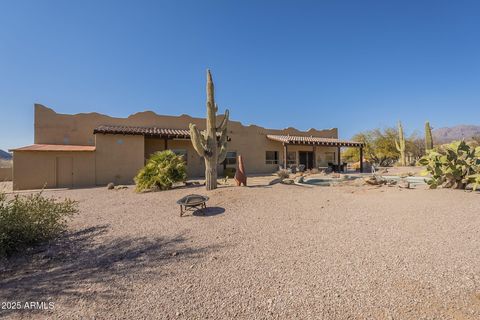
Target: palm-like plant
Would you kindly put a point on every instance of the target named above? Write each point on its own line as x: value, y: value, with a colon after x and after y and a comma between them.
x: 162, y: 170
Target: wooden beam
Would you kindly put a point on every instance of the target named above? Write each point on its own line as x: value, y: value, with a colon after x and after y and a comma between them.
x: 165, y: 141
x: 284, y: 156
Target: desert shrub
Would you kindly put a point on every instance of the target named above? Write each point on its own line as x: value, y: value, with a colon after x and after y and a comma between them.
x: 162, y: 170
x: 453, y: 166
x: 229, y: 172
x: 283, y: 174
x: 31, y: 219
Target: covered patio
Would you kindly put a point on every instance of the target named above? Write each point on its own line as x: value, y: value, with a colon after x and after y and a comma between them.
x: 308, y: 158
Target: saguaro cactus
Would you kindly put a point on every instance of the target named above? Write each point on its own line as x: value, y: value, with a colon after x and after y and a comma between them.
x: 428, y: 137
x: 209, y: 145
x: 400, y: 144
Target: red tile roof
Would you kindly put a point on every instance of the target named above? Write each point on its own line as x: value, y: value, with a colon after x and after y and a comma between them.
x: 146, y: 131
x: 54, y: 147
x: 314, y: 140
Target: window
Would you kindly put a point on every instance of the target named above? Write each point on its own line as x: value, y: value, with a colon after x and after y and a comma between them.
x: 291, y: 157
x: 181, y: 152
x: 330, y: 157
x: 231, y: 157
x: 271, y: 157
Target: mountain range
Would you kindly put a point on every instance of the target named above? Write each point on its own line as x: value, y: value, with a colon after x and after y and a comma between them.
x: 448, y: 134
x: 4, y: 155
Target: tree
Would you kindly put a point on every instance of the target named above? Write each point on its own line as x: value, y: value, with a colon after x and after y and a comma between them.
x: 380, y: 148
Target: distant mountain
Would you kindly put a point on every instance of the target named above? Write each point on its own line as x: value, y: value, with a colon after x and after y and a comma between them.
x: 448, y: 134
x: 4, y: 155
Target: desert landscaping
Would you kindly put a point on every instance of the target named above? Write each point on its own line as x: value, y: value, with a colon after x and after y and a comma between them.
x: 280, y: 251
x: 240, y: 160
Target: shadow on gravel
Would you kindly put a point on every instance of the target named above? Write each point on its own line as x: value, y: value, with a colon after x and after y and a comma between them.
x: 85, y: 264
x: 209, y: 211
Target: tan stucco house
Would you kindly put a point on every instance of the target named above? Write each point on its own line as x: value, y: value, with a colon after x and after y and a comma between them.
x: 89, y: 149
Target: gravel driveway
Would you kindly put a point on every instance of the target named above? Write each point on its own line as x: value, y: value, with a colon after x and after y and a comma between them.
x: 279, y: 252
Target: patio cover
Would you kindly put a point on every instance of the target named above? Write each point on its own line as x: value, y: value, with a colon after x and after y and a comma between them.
x: 288, y: 139
x: 143, y: 131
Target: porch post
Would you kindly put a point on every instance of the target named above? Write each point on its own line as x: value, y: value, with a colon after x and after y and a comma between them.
x: 338, y: 156
x: 361, y: 159
x: 165, y: 143
x: 285, y: 156
x: 314, y: 155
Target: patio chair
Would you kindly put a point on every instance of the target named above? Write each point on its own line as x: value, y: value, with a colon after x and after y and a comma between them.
x: 293, y: 168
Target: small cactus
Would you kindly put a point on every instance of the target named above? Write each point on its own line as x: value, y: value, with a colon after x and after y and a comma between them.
x: 206, y: 144
x: 428, y: 137
x: 400, y: 144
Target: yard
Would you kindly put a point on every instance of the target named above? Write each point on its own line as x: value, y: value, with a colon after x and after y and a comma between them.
x: 261, y: 252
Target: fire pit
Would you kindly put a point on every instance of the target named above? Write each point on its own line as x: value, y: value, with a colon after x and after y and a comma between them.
x: 192, y: 202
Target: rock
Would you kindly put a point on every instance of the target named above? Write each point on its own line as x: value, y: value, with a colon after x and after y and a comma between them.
x: 174, y: 254
x: 111, y: 186
x: 391, y: 182
x: 120, y: 187
x: 275, y: 181
x: 300, y: 179
x: 375, y: 180
x: 404, y: 184
x: 288, y: 181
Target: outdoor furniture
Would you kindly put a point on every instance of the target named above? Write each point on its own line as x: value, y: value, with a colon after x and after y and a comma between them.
x: 293, y: 168
x: 192, y: 202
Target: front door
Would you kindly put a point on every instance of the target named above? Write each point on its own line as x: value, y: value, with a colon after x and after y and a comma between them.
x: 306, y: 158
x: 64, y: 172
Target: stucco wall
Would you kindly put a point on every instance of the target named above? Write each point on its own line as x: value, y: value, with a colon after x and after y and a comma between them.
x: 38, y: 169
x: 6, y: 174
x: 118, y: 158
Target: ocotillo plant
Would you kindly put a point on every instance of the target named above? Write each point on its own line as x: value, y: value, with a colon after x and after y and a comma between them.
x: 206, y: 144
x: 400, y: 144
x: 428, y: 137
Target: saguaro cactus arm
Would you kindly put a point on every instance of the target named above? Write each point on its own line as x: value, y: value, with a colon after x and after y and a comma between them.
x: 223, y: 124
x: 222, y: 141
x: 198, y: 140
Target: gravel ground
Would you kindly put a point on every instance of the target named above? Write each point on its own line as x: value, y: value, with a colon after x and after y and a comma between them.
x: 279, y: 252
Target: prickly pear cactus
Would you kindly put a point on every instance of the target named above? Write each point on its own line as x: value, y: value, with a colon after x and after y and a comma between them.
x: 400, y: 144
x: 454, y: 166
x: 210, y: 145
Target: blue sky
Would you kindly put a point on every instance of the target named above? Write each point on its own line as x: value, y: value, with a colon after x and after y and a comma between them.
x: 354, y: 65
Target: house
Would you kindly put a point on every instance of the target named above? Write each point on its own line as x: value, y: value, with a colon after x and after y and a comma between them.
x: 89, y: 149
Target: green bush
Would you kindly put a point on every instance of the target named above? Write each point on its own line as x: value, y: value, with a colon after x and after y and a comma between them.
x: 162, y: 170
x: 453, y: 166
x: 229, y: 172
x: 31, y: 219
